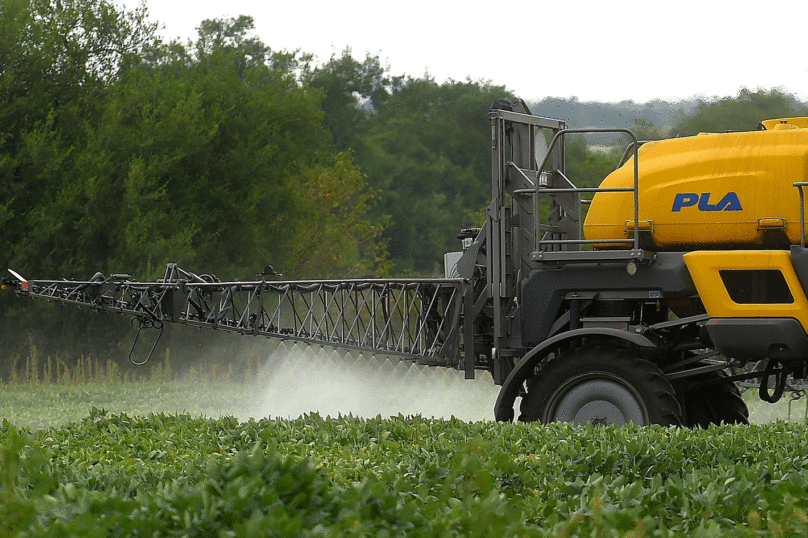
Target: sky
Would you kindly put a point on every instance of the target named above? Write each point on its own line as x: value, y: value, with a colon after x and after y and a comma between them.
x: 595, y: 50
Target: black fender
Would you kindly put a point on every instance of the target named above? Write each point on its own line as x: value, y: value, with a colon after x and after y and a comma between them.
x: 503, y: 409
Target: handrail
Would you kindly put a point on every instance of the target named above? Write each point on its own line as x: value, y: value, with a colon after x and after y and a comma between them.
x: 800, y: 185
x: 538, y: 191
x: 624, y: 157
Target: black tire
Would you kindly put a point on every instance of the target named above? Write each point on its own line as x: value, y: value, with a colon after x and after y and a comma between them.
x: 719, y: 402
x: 600, y: 384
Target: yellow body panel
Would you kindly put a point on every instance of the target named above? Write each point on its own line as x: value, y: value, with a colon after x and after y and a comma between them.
x: 704, y: 267
x: 710, y: 189
x: 785, y: 123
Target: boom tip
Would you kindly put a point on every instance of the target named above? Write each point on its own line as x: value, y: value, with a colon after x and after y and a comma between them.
x: 19, y: 280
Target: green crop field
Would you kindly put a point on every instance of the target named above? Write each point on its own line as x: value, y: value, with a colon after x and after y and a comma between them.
x: 183, y: 457
x: 176, y: 475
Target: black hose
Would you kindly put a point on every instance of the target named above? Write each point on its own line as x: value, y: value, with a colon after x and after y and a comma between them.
x: 779, y: 382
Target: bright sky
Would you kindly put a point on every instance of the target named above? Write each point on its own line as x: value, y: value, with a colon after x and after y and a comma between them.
x: 596, y: 50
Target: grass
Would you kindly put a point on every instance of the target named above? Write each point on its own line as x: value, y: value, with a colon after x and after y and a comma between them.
x: 35, y: 407
x: 52, y: 393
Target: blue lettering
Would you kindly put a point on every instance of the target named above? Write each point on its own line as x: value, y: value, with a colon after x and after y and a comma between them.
x: 704, y: 202
x: 730, y: 202
x: 686, y: 199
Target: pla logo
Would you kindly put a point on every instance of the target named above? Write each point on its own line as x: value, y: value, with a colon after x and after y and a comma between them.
x: 729, y: 202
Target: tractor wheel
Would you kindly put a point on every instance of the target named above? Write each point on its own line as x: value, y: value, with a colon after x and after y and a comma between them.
x: 600, y: 385
x: 716, y: 403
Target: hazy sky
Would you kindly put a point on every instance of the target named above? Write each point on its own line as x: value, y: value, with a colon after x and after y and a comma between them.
x: 596, y: 50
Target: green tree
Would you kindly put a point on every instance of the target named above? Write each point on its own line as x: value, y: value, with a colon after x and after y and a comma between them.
x: 350, y: 89
x: 203, y: 157
x: 646, y: 130
x: 587, y: 166
x: 213, y: 155
x: 741, y: 113
x: 427, y: 151
x: 424, y: 146
x: 335, y: 237
x: 56, y: 60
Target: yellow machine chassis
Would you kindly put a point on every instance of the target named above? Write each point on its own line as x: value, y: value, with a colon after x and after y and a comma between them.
x: 706, y: 269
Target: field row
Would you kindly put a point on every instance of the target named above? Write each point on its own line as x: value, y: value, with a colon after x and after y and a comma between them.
x: 176, y: 475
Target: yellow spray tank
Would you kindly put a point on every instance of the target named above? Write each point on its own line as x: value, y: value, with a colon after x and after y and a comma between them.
x: 727, y: 190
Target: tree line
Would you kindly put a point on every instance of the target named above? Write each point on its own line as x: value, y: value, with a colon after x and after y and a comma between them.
x: 120, y: 152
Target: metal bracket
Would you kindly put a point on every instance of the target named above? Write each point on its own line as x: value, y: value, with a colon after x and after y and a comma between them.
x: 146, y: 324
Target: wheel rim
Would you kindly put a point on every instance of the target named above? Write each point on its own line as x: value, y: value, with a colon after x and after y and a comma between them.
x: 599, y: 399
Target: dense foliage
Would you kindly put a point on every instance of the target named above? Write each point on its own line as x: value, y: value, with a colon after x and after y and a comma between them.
x: 427, y: 150
x: 598, y: 114
x: 175, y: 475
x: 205, y: 154
x: 741, y: 113
x: 119, y: 153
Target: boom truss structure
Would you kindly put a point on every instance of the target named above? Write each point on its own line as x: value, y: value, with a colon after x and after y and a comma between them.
x: 419, y: 319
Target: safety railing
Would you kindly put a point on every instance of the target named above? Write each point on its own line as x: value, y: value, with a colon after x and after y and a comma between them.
x: 547, y: 250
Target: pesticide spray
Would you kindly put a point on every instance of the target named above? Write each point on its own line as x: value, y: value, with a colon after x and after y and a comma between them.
x: 299, y: 379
